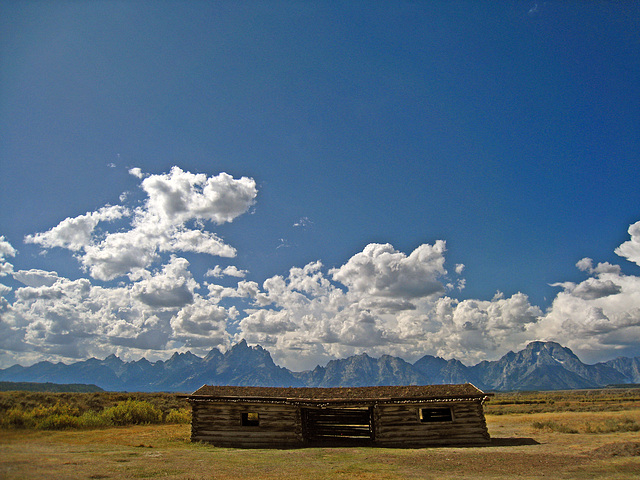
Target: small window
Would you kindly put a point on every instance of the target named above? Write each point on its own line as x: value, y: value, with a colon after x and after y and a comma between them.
x: 250, y: 419
x: 435, y: 414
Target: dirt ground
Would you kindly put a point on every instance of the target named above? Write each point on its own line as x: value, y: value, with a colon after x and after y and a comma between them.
x: 165, y: 452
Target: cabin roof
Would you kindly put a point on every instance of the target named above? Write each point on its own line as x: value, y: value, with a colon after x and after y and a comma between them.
x: 340, y: 394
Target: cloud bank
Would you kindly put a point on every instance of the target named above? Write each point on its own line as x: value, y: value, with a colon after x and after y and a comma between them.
x: 380, y: 301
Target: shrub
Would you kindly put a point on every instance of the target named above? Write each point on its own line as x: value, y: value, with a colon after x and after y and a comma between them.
x: 58, y: 422
x: 17, y: 418
x: 40, y: 412
x: 89, y: 410
x: 132, y: 412
x: 93, y: 419
x: 178, y: 415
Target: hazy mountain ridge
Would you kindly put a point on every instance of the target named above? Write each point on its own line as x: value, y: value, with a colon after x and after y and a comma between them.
x: 540, y: 366
x: 48, y: 387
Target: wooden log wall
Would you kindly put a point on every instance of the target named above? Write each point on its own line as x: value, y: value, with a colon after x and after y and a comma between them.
x: 400, y: 426
x: 221, y: 424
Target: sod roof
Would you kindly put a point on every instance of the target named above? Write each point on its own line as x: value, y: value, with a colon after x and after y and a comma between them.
x: 425, y: 392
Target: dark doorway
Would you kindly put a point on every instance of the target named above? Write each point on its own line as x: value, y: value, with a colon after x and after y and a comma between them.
x: 338, y: 426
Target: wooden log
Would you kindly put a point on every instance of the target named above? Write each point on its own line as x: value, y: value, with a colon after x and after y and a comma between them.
x: 429, y: 434
x: 401, y: 406
x: 432, y: 436
x: 390, y: 409
x: 456, y: 423
x: 425, y: 427
x: 237, y: 411
x: 251, y: 445
x: 430, y: 440
x: 255, y: 434
x: 433, y: 427
x: 339, y: 419
x: 346, y: 431
x: 235, y: 418
x: 248, y: 430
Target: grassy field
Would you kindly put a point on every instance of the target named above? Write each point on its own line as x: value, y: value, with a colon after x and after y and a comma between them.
x: 533, y: 437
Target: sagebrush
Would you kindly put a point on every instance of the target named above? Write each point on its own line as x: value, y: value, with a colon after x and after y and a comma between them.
x: 77, y: 410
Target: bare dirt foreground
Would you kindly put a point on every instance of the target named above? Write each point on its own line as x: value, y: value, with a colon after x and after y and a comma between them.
x: 164, y: 452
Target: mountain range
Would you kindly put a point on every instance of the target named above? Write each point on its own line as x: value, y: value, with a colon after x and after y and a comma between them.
x: 539, y: 366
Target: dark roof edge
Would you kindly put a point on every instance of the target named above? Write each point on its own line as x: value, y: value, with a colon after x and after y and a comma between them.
x: 323, y: 401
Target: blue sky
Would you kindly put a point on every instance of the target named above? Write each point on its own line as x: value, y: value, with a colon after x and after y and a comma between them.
x: 510, y: 131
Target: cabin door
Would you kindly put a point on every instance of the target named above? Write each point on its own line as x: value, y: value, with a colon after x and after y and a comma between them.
x: 338, y: 425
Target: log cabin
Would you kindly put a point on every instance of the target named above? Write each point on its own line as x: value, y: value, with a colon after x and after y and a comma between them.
x: 398, y: 416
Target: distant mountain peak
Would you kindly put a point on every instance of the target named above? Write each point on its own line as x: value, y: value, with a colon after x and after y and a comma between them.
x: 542, y: 344
x: 214, y: 353
x: 186, y: 354
x: 539, y: 366
x: 539, y: 346
x: 241, y: 345
x: 550, y: 352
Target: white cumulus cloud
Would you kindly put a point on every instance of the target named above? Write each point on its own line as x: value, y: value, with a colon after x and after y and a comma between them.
x: 180, y: 196
x: 76, y: 233
x: 354, y: 309
x: 36, y: 277
x: 380, y: 270
x: 171, y: 220
x: 631, y: 248
x: 231, y: 271
x: 600, y: 314
x: 136, y: 172
x: 172, y: 287
x: 6, y: 250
